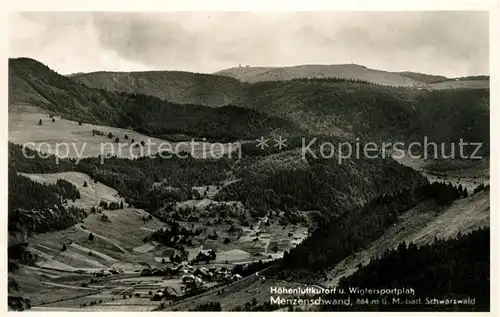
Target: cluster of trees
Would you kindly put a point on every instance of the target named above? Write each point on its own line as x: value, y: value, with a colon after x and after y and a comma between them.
x: 331, y: 80
x: 18, y: 303
x: 66, y: 189
x: 480, y: 188
x: 44, y: 220
x: 113, y: 205
x: 444, y: 193
x: 30, y: 162
x: 97, y: 132
x: 19, y: 253
x: 40, y: 196
x: 175, y: 258
x: 248, y: 269
x: 453, y: 269
x: 176, y: 236
x: 213, y: 235
x: 206, y: 256
x: 21, y: 187
x: 469, y: 122
x: 480, y: 77
x: 92, y: 303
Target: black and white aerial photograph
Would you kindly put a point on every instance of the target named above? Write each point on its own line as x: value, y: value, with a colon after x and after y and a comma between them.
x: 242, y: 161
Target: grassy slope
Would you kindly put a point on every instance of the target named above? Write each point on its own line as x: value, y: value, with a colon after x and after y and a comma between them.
x: 462, y: 84
x: 24, y: 128
x: 423, y: 78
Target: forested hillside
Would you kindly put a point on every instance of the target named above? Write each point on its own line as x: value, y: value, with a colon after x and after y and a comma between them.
x: 444, y: 275
x: 375, y: 112
x: 152, y: 116
x: 323, y: 186
x: 34, y: 83
x: 336, y: 106
x: 424, y: 78
x: 176, y: 87
x: 343, y: 106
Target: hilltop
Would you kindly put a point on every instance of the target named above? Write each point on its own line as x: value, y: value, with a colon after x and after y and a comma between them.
x: 225, y: 86
x: 346, y: 71
x: 352, y: 72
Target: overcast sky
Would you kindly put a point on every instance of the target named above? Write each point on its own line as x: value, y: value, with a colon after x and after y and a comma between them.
x: 446, y: 43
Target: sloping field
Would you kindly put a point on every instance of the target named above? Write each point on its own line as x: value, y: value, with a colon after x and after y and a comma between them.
x: 462, y: 84
x: 421, y: 225
x: 66, y: 138
x: 118, y: 294
x: 91, y: 195
x: 44, y: 286
x: 348, y: 71
x: 113, y: 245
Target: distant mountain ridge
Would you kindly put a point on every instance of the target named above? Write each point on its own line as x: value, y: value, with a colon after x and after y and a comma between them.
x: 347, y: 71
x: 331, y: 106
x: 223, y: 87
